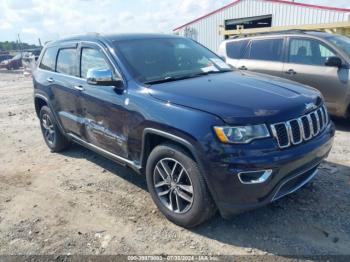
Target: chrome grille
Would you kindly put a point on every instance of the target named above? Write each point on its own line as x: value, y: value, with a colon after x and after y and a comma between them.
x: 301, y: 129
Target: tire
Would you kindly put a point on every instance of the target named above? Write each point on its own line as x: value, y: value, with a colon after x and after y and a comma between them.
x: 182, y: 212
x: 53, y: 137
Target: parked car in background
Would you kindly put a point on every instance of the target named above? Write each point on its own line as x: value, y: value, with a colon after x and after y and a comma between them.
x: 206, y: 137
x: 13, y: 63
x: 4, y: 57
x: 318, y: 59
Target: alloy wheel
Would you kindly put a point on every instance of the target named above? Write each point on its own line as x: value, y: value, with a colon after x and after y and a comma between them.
x: 48, y: 129
x: 173, y: 185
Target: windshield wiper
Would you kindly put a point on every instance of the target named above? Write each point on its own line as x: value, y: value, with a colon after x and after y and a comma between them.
x: 173, y: 78
x: 166, y: 79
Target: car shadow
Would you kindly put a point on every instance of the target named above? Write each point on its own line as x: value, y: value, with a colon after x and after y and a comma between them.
x: 77, y: 151
x: 341, y: 124
x: 303, y: 223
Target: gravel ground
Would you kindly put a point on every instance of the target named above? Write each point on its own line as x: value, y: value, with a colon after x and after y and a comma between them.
x: 78, y: 202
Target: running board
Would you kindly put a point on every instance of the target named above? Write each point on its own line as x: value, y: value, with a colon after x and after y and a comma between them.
x: 114, y: 157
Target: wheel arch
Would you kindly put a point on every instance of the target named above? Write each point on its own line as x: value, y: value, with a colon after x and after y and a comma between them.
x: 39, y: 102
x: 166, y: 137
x: 154, y: 137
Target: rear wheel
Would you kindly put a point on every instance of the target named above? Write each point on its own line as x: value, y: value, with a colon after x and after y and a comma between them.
x: 177, y: 186
x: 53, y: 137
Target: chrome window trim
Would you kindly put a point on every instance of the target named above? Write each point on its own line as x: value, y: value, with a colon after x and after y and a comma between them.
x: 80, y: 43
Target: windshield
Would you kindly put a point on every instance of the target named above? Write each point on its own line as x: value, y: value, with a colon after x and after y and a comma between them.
x: 341, y: 42
x: 162, y: 59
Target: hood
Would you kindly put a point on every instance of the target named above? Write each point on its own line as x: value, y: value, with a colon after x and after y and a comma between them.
x: 240, y: 97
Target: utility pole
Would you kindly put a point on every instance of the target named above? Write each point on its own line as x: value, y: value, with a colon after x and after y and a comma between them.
x: 20, y: 45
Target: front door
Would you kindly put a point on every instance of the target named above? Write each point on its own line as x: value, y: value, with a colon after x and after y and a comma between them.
x: 306, y: 65
x: 102, y: 106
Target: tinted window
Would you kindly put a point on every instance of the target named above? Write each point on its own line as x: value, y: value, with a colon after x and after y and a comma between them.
x: 66, y: 61
x: 49, y: 59
x: 234, y: 49
x: 341, y: 42
x: 268, y: 49
x: 159, y: 59
x: 91, y: 58
x: 308, y: 51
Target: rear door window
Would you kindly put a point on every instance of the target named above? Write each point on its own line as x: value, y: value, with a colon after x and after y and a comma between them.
x: 67, y: 61
x: 266, y: 49
x: 308, y: 52
x: 49, y: 59
x: 235, y: 49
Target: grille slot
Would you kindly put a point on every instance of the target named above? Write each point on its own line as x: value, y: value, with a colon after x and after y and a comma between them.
x: 295, y: 131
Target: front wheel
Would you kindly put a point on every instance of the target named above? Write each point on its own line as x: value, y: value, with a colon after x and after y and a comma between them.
x: 177, y: 187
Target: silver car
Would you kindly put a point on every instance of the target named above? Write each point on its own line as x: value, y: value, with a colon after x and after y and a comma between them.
x: 313, y: 58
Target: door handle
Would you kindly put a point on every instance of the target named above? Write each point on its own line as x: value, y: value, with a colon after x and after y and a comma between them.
x: 50, y: 80
x: 291, y: 72
x: 242, y: 68
x: 79, y: 88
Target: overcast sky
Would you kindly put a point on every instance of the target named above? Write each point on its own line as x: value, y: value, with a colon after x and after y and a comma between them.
x: 51, y: 19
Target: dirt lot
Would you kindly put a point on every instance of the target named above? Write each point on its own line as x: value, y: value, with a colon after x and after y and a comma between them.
x: 78, y: 202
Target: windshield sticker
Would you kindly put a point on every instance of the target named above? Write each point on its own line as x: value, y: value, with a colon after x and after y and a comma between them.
x: 210, y: 68
x: 220, y: 63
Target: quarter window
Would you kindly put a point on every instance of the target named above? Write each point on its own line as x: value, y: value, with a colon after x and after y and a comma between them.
x: 234, y: 49
x: 308, y: 51
x: 49, y: 59
x: 267, y: 49
x: 66, y: 62
x: 92, y: 58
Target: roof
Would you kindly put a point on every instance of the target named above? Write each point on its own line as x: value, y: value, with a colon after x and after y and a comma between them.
x: 274, y: 1
x: 109, y: 37
x: 133, y: 36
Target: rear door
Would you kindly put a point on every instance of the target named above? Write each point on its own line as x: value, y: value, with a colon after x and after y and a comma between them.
x: 263, y: 56
x: 234, y: 51
x: 306, y: 64
x: 65, y: 92
x: 102, y: 106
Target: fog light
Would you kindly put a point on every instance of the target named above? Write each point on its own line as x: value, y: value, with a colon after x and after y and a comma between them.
x: 254, y: 177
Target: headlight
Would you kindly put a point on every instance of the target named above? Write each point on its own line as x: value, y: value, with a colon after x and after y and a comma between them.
x: 241, y: 134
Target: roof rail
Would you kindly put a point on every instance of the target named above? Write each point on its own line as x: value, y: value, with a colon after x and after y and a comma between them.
x: 292, y: 31
x: 338, y: 27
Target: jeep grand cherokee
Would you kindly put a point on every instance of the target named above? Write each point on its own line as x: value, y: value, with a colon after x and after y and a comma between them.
x: 206, y: 137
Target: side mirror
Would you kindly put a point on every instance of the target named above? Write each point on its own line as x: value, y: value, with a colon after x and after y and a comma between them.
x: 223, y: 58
x: 333, y: 61
x: 103, y: 77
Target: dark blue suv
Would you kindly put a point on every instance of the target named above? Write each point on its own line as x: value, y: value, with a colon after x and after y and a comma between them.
x: 206, y: 137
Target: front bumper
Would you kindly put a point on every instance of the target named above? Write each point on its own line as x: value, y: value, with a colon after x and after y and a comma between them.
x: 291, y: 169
